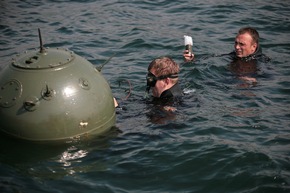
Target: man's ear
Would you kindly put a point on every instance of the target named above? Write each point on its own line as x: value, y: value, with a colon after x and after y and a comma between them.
x: 255, y: 45
x: 167, y: 81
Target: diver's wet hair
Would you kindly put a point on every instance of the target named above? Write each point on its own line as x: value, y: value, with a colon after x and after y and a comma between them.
x: 164, y: 66
x: 252, y: 31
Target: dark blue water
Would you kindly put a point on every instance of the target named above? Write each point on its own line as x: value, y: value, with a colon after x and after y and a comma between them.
x: 228, y: 135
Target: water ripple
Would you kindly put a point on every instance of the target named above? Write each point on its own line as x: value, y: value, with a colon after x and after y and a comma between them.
x: 228, y: 135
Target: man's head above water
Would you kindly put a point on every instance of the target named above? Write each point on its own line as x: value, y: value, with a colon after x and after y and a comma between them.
x: 162, y: 75
x: 246, y: 42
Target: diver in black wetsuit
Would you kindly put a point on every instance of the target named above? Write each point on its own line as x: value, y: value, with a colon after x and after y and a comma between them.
x: 162, y: 78
x: 246, y: 46
x: 245, y: 56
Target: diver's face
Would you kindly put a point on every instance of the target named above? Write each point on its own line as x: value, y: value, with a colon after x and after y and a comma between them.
x: 244, y: 45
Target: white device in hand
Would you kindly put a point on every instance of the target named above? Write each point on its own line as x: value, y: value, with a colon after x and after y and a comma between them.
x: 188, y: 43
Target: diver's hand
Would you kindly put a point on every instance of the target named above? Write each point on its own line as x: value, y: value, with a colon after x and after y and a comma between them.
x: 115, y: 102
x: 188, y: 57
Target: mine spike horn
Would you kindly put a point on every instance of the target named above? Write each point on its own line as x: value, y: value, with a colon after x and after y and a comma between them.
x: 100, y: 67
x: 40, y: 41
x: 47, y: 91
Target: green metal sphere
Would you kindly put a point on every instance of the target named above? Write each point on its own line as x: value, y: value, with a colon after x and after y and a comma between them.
x: 53, y: 95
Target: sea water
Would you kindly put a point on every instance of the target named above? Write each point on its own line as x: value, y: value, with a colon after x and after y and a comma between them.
x: 228, y: 135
